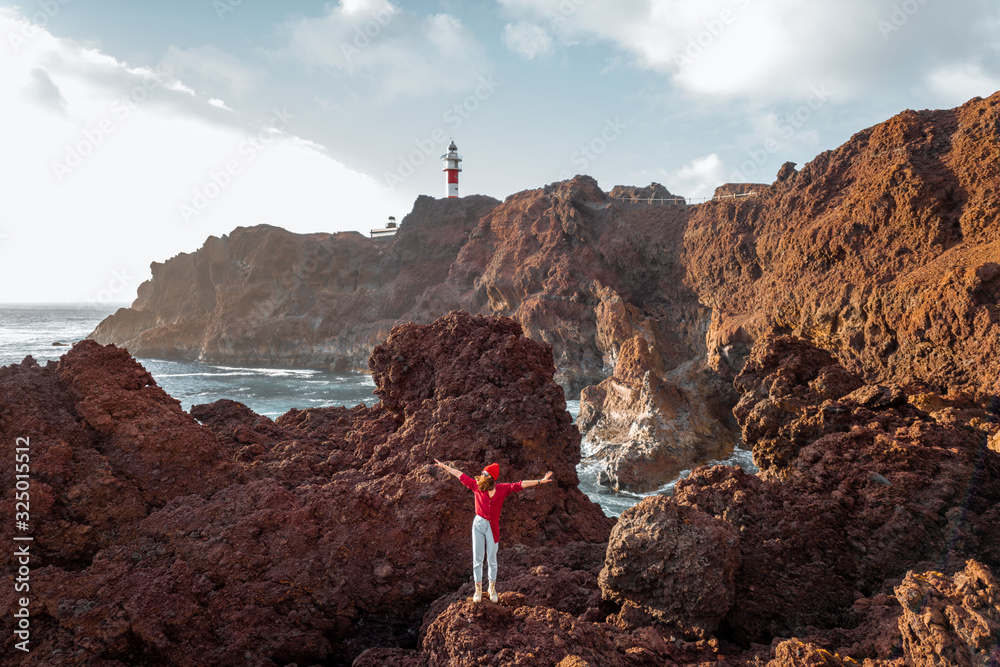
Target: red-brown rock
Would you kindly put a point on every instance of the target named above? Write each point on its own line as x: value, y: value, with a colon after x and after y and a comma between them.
x: 878, y: 489
x: 673, y: 562
x: 647, y: 428
x: 262, y: 295
x: 795, y: 393
x: 335, y: 531
x: 575, y: 270
x: 883, y: 251
x: 951, y: 621
x: 78, y: 501
x: 513, y: 632
x: 639, y: 195
x: 143, y: 430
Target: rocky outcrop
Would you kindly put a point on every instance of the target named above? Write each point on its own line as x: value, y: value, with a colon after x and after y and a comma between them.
x: 729, y: 190
x: 639, y: 195
x: 514, y: 632
x: 593, y: 279
x: 306, y: 539
x: 550, y: 614
x: 853, y: 303
x: 581, y: 273
x: 873, y: 488
x: 279, y: 541
x: 794, y: 393
x: 951, y: 620
x: 883, y: 251
x: 262, y: 295
x: 648, y: 428
x: 572, y: 268
x: 673, y: 562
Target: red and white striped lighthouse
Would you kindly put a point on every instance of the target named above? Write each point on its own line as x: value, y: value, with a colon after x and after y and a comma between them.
x: 451, y: 161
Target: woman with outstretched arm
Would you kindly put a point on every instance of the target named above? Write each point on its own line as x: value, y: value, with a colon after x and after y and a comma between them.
x: 486, y: 525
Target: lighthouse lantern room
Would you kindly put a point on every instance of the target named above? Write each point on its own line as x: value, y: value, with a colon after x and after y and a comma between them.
x: 452, y: 160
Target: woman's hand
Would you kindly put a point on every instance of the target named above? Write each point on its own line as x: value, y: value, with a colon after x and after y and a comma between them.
x: 448, y: 469
x: 547, y: 478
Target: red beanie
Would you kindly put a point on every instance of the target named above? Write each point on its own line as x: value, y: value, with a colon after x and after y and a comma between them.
x: 493, y: 470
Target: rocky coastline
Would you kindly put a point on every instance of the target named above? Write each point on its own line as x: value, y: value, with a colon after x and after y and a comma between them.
x: 327, y: 536
x: 843, y: 323
x: 883, y: 251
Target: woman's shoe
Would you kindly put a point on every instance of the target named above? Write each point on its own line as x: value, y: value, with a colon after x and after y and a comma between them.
x: 478, y: 596
x: 493, y: 591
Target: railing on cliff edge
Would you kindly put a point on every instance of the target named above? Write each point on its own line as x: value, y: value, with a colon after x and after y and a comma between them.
x: 680, y: 201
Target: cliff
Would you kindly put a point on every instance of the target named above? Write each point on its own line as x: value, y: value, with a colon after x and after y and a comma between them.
x: 562, y: 261
x: 262, y: 295
x: 884, y: 252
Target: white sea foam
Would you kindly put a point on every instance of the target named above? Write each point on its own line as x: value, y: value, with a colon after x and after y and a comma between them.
x: 615, y: 502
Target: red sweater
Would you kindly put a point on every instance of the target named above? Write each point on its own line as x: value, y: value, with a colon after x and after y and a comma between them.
x: 489, y: 508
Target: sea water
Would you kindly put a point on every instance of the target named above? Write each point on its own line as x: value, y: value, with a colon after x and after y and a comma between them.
x: 32, y: 329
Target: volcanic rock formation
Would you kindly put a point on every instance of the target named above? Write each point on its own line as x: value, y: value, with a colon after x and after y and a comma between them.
x: 864, y: 487
x: 883, y: 252
x: 872, y: 539
x: 305, y: 539
x: 673, y: 562
x: 654, y: 191
x: 951, y: 620
x: 647, y: 428
x: 327, y: 535
x: 262, y: 295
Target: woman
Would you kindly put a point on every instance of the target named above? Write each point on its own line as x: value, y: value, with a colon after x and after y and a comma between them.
x: 486, y: 525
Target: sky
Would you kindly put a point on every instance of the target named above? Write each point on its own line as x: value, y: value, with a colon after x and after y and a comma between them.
x: 130, y: 132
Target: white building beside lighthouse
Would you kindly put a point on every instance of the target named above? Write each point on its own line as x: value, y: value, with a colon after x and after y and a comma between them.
x: 451, y: 160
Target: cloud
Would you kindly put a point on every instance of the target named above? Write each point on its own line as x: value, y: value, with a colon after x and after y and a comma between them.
x: 380, y: 50
x: 528, y: 40
x: 765, y: 50
x: 42, y: 91
x: 695, y: 181
x: 107, y: 180
x: 960, y: 83
x: 699, y: 178
x: 211, y: 68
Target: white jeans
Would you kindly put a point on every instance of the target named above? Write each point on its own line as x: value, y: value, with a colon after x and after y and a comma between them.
x: 482, y: 541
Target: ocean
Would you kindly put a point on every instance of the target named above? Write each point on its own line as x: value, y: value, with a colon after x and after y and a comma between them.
x: 32, y: 329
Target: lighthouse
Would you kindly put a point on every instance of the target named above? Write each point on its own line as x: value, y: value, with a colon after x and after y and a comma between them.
x: 451, y: 167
